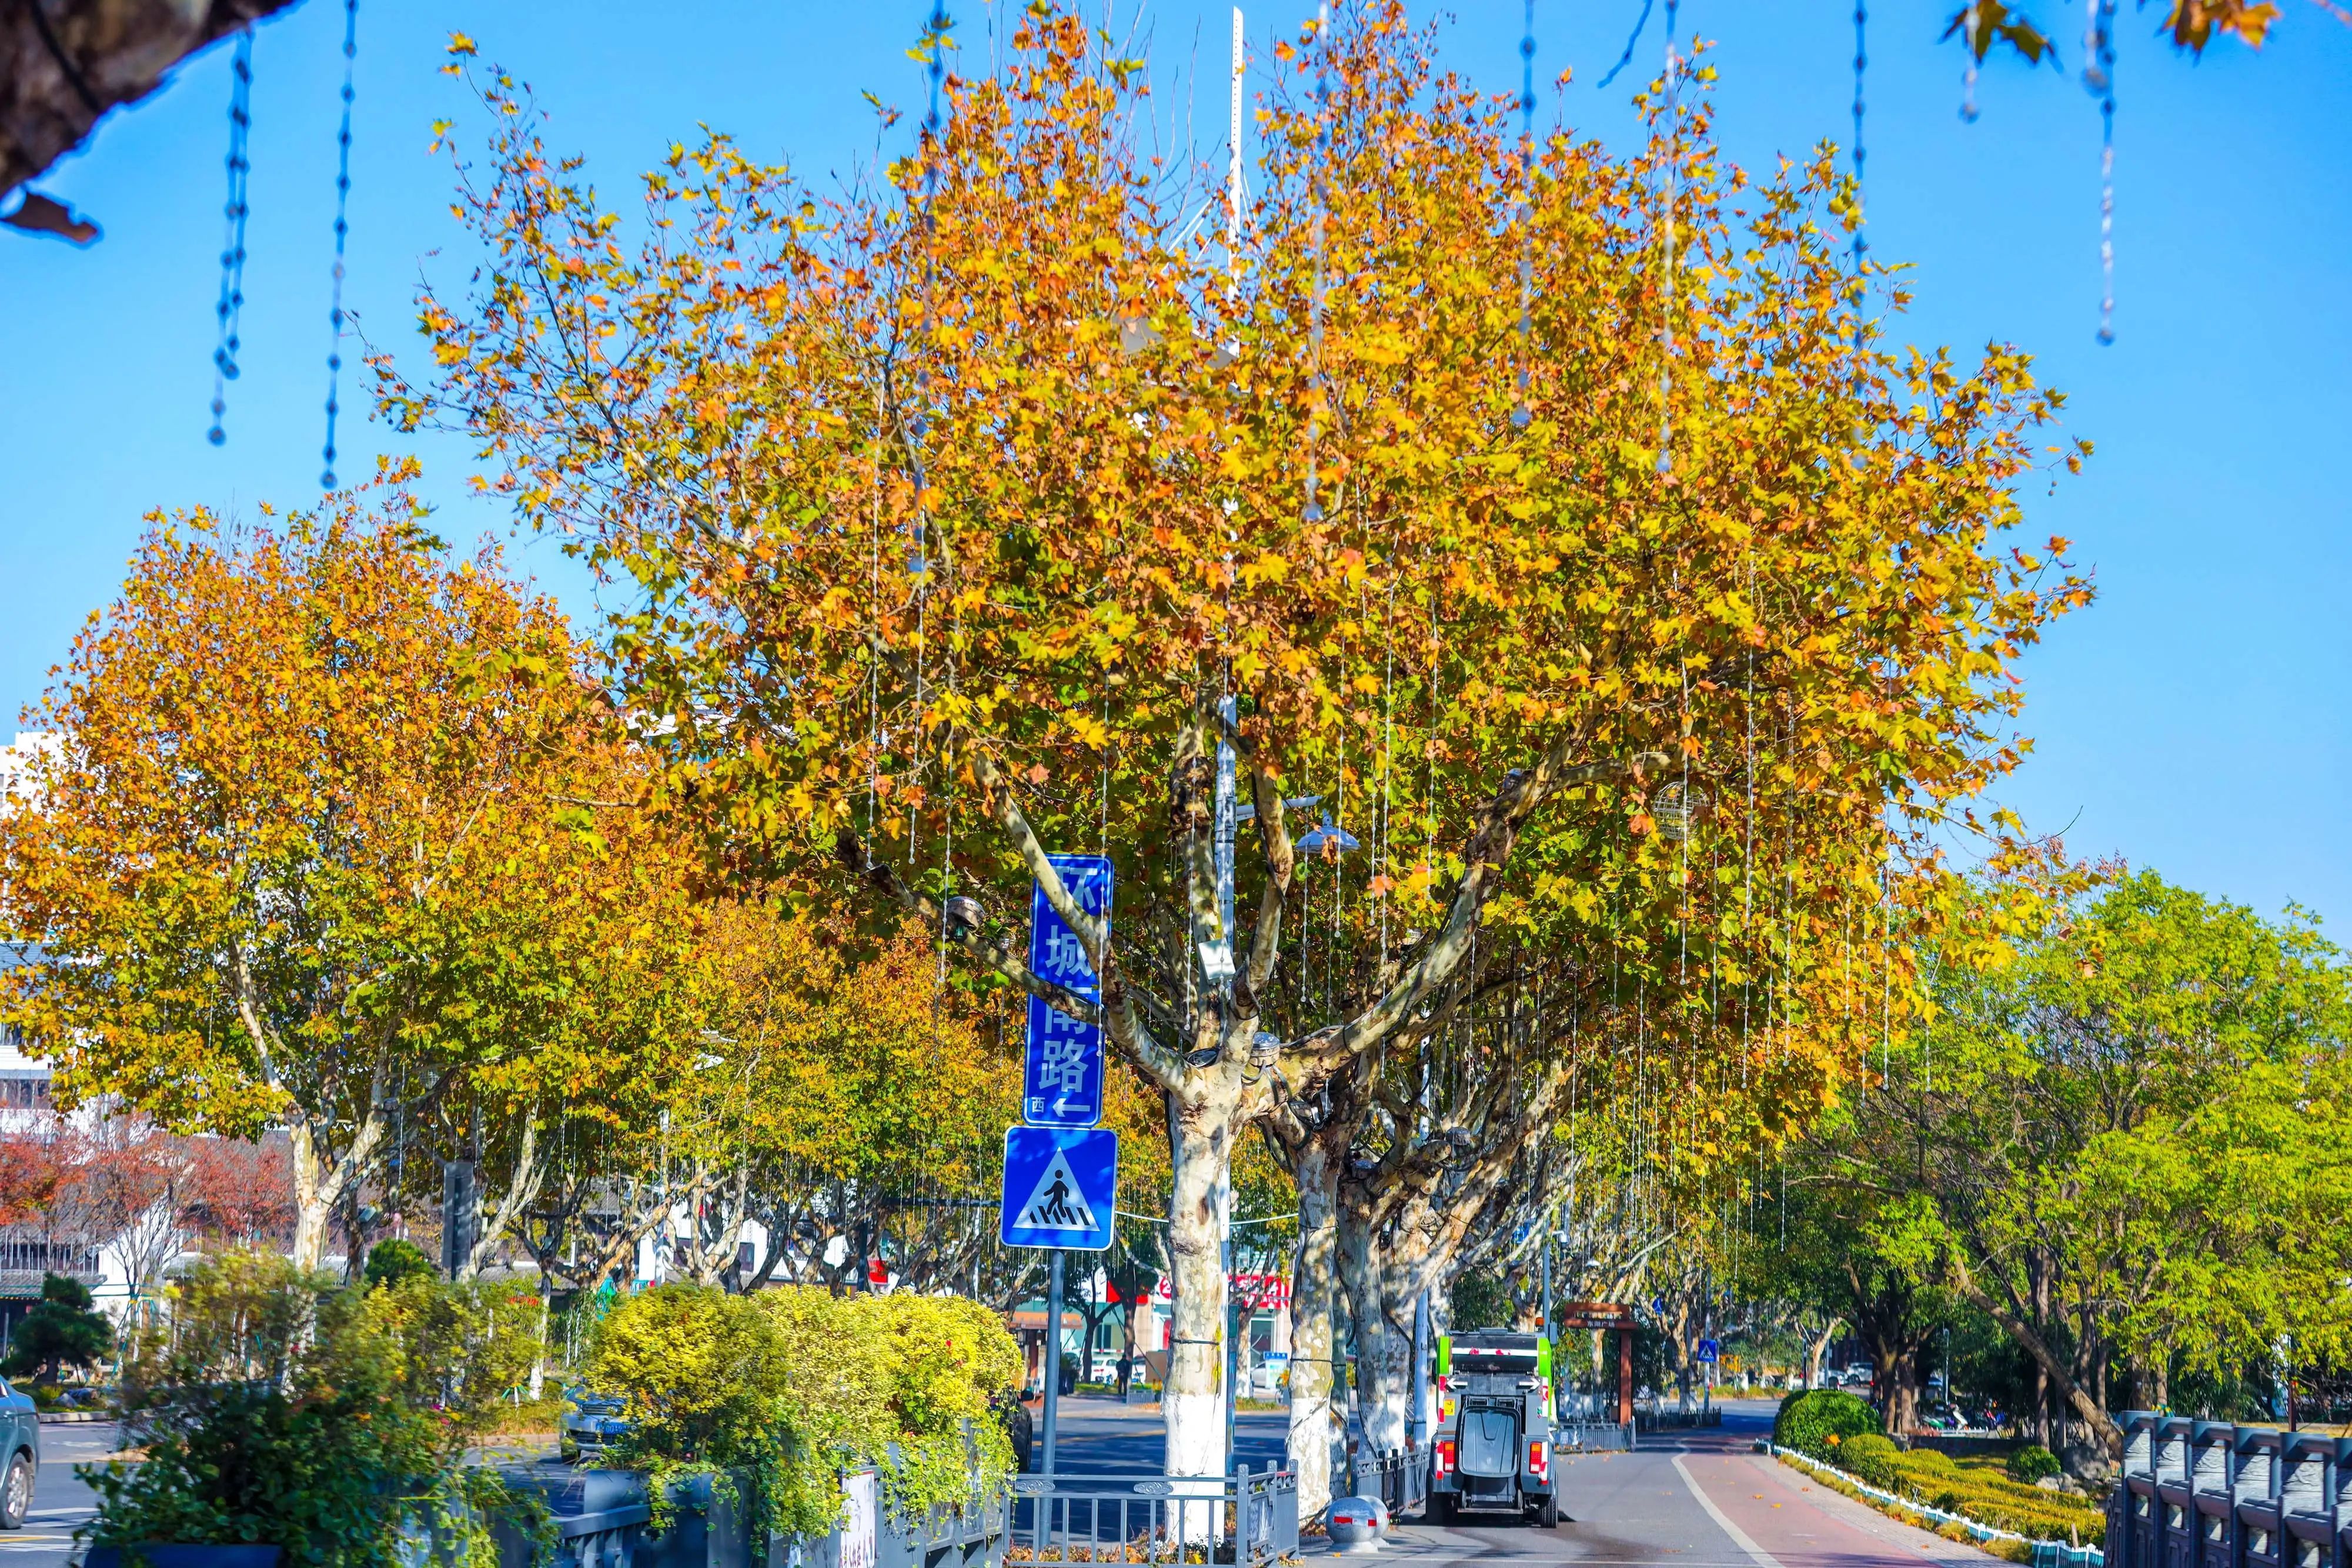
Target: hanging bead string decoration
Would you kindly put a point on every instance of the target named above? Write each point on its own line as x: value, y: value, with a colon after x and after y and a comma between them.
x: 1673, y: 193
x: 1861, y: 63
x: 1640, y: 23
x: 342, y: 230
x: 231, y: 290
x: 1521, y: 417
x: 1314, y: 509
x: 2099, y: 77
x: 1971, y: 48
x: 935, y: 29
x: 874, y: 737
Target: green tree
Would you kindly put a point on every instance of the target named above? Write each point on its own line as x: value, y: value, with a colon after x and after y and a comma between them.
x: 2126, y: 1140
x: 63, y: 1329
x: 394, y: 1261
x: 278, y: 1405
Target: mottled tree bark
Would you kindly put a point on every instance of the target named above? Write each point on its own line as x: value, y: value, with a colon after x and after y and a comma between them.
x: 68, y: 62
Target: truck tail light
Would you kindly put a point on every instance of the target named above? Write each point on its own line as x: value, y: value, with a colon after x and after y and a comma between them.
x: 1539, y: 1455
x: 1444, y: 1455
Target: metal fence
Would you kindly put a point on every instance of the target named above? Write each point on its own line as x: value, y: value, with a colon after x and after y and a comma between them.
x: 1593, y: 1437
x: 1661, y: 1418
x: 1250, y: 1520
x: 2210, y: 1494
x: 1398, y: 1478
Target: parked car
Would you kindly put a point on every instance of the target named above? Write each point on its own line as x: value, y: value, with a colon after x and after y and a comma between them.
x: 20, y: 1438
x: 593, y: 1421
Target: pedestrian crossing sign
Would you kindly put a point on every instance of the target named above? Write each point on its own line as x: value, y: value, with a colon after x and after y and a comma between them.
x: 1060, y: 1187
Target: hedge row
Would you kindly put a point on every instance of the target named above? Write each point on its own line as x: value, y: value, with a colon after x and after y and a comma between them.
x: 1979, y: 1489
x: 1839, y: 1429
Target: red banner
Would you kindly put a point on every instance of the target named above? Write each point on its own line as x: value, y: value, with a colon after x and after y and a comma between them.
x: 1255, y: 1291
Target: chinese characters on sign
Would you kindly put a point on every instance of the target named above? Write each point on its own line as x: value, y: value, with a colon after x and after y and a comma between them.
x: 1063, y: 1083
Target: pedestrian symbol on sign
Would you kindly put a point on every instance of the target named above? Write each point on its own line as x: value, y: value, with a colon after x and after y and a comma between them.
x: 1057, y: 1204
x: 1061, y: 1187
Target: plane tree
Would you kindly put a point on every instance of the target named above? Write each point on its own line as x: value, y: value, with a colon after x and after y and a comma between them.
x: 296, y: 763
x: 968, y: 512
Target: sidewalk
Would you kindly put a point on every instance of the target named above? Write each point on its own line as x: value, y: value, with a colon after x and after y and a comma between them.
x: 1783, y: 1519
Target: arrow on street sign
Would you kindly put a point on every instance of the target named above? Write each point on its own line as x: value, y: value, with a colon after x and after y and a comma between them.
x: 1060, y: 1187
x: 1062, y: 1080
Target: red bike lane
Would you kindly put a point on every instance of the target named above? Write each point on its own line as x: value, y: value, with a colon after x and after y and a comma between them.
x: 1781, y: 1518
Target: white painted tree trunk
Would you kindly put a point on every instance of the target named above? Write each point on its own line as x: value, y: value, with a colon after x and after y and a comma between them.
x: 1193, y: 1402
x: 1318, y: 1429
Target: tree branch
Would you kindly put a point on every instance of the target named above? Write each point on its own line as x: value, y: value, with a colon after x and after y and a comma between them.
x: 1489, y: 848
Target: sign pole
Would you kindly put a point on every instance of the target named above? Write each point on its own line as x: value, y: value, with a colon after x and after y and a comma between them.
x: 1234, y: 1330
x: 1551, y: 1383
x: 1053, y: 1350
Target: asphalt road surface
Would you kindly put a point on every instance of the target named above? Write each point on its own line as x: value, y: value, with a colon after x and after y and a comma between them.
x: 1705, y: 1499
x: 60, y: 1501
x: 1700, y: 1499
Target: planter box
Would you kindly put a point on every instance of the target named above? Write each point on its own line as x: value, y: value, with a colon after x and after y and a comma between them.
x: 601, y: 1520
x: 156, y: 1554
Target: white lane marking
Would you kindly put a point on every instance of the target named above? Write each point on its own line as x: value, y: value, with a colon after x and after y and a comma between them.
x: 1740, y: 1538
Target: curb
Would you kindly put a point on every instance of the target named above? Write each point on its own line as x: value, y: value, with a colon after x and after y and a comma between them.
x: 2086, y: 1556
x: 62, y: 1418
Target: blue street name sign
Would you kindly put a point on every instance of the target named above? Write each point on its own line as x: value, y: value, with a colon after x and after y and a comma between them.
x: 1708, y: 1350
x: 1060, y: 1183
x: 1062, y: 1084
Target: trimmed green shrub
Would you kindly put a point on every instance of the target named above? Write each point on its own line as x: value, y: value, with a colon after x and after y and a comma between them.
x: 1979, y: 1488
x: 2031, y: 1463
x: 792, y: 1382
x: 62, y: 1329
x: 1871, y: 1457
x: 391, y: 1261
x: 1819, y: 1422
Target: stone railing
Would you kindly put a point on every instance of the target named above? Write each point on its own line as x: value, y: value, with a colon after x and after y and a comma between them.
x: 2210, y: 1494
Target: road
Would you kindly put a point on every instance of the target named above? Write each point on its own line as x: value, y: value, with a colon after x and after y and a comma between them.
x: 60, y: 1501
x: 1701, y: 1499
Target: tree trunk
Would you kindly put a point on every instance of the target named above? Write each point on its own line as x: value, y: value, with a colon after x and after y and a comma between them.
x: 1201, y: 1134
x: 314, y: 1196
x: 1381, y: 1356
x: 2101, y: 1425
x: 1317, y: 1428
x: 1819, y: 1347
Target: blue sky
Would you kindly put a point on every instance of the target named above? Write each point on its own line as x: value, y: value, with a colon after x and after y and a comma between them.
x: 2194, y: 720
